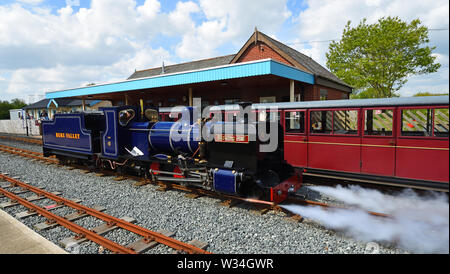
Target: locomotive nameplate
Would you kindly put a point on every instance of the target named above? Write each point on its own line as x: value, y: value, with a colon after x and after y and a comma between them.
x: 67, y: 135
x: 231, y: 138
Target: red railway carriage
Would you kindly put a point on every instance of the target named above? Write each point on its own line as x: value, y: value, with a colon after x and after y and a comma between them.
x: 396, y: 141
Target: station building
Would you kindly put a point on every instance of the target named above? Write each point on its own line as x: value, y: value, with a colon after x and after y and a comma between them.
x: 48, y: 107
x: 264, y: 70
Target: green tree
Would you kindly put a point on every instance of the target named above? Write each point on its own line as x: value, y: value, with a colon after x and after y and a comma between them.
x: 378, y: 58
x: 366, y: 94
x: 425, y: 93
x: 5, y: 106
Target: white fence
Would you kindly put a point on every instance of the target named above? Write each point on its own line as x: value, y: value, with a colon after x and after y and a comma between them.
x: 19, y: 127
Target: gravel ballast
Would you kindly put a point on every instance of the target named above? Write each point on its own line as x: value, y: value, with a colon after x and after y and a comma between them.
x: 236, y: 230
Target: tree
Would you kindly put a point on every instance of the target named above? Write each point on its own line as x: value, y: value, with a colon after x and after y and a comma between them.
x: 5, y: 106
x: 366, y: 94
x: 425, y: 93
x: 379, y: 57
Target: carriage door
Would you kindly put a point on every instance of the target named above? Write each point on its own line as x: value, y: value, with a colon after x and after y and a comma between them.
x: 378, y: 142
x: 295, y: 139
x: 422, y: 144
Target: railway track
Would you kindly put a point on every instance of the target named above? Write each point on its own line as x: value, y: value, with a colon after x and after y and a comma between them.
x: 28, y: 153
x: 230, y: 201
x: 148, y: 238
x: 22, y: 139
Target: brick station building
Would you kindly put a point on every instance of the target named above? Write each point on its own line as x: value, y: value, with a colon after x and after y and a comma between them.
x: 264, y: 70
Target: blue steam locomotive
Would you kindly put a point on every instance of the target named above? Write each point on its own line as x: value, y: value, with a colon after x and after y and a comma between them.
x: 198, y: 153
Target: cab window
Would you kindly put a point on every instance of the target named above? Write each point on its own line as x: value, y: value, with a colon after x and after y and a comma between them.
x: 125, y: 116
x: 151, y: 115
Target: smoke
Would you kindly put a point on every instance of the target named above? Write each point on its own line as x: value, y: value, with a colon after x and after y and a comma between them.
x: 419, y: 224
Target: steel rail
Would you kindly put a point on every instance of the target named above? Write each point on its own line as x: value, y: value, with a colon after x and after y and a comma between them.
x: 79, y: 230
x: 22, y: 139
x: 26, y: 153
x: 22, y: 150
x: 147, y: 234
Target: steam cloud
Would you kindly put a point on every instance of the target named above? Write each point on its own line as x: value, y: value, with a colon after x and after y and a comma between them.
x: 419, y: 224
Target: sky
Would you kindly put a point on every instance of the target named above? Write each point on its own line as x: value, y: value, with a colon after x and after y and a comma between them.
x: 48, y: 45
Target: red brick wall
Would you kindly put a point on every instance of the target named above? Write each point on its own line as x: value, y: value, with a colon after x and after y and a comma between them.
x: 261, y: 51
x: 312, y: 93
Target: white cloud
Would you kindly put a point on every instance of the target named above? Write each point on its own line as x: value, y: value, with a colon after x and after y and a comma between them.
x: 62, y: 76
x: 44, y: 51
x: 33, y: 2
x: 230, y: 20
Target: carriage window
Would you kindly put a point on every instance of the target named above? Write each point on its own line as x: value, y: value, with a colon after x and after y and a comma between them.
x: 321, y: 121
x: 378, y: 122
x: 441, y: 122
x: 274, y: 116
x: 416, y: 122
x: 345, y: 122
x: 125, y: 116
x: 295, y: 121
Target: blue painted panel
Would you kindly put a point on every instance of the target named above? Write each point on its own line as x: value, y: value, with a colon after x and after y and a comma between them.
x: 67, y: 132
x: 225, y: 181
x: 239, y: 70
x: 139, y: 132
x: 289, y: 72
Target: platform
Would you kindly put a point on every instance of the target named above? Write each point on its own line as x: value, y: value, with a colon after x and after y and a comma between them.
x: 17, y: 238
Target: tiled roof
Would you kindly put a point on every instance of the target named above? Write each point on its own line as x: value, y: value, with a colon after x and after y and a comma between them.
x: 299, y: 57
x: 306, y: 61
x: 194, y: 65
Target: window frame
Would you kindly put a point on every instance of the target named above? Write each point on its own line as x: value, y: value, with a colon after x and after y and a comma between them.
x: 433, y: 125
x: 306, y: 122
x: 399, y: 122
x: 363, y: 122
x: 358, y: 123
x: 133, y: 112
x: 279, y: 111
x: 310, y: 124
